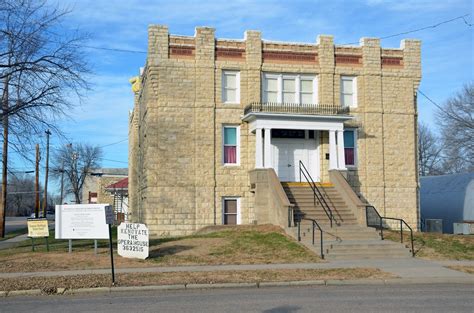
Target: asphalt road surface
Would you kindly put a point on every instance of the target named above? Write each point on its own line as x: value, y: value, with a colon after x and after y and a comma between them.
x: 373, y: 298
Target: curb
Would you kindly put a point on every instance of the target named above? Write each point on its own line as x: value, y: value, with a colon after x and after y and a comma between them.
x: 330, y: 282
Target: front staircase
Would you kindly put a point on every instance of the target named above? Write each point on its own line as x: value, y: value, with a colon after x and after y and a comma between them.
x: 346, y: 239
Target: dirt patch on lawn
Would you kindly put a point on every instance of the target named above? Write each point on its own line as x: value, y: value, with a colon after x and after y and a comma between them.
x: 50, y: 284
x: 462, y: 268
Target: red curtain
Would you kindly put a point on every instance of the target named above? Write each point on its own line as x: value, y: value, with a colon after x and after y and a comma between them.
x: 349, y: 154
x: 230, y: 154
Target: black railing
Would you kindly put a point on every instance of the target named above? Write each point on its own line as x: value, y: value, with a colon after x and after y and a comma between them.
x: 375, y: 220
x: 294, y: 108
x: 314, y: 226
x: 316, y: 193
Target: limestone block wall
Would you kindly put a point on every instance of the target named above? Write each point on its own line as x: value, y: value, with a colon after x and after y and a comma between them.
x: 177, y: 176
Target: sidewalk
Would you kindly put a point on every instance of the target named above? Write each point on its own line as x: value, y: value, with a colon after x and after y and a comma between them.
x: 406, y: 269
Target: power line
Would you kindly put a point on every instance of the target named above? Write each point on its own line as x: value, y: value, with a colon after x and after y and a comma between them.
x: 112, y: 49
x: 430, y: 100
x: 114, y: 143
x: 462, y: 17
x: 114, y: 161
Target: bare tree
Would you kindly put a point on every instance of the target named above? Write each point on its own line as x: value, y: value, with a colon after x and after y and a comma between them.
x: 41, y: 68
x: 429, y: 151
x: 76, y: 162
x: 456, y: 120
x: 21, y: 195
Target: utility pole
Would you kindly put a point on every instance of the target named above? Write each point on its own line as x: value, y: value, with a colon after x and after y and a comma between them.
x: 4, y: 156
x: 37, y: 193
x: 62, y: 183
x: 45, y: 198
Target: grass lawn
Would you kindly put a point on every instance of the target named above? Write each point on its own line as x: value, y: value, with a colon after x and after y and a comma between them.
x: 49, y: 284
x: 435, y: 246
x: 220, y: 245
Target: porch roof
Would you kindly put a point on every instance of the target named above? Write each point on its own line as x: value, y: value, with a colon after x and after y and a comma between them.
x: 296, y: 116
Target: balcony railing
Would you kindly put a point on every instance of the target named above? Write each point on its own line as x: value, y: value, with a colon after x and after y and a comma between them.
x: 293, y: 108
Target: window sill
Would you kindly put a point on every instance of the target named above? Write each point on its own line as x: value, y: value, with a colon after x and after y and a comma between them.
x: 230, y: 165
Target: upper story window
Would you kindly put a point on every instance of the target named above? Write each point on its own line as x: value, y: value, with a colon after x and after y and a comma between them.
x: 231, y: 147
x: 230, y: 86
x: 349, y: 91
x: 289, y: 88
x: 350, y: 140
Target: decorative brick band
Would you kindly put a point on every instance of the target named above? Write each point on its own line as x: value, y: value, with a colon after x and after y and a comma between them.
x: 181, y: 51
x: 348, y: 59
x: 229, y: 53
x: 289, y: 56
x: 392, y: 61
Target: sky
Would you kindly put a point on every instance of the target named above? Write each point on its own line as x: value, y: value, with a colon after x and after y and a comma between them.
x: 102, y: 117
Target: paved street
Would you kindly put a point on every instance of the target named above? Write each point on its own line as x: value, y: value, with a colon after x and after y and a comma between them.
x: 396, y: 298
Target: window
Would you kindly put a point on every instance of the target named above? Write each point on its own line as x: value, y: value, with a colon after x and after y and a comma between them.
x: 349, y: 91
x: 231, y: 211
x: 230, y: 87
x: 350, y: 141
x: 231, y: 145
x: 289, y: 88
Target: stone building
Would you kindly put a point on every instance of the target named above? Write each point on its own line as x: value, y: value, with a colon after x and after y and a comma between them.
x: 214, y: 118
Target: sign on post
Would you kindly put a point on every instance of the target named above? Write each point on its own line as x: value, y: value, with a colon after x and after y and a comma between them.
x: 81, y: 221
x: 109, y: 215
x: 132, y: 240
x: 37, y: 228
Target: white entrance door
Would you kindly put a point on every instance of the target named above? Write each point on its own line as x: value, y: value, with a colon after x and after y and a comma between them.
x: 287, y: 153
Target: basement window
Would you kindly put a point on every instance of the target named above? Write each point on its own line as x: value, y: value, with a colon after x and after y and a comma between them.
x: 231, y: 211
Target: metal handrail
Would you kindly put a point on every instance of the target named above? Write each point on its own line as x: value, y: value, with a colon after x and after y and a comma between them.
x: 316, y: 193
x: 315, y: 224
x: 380, y: 225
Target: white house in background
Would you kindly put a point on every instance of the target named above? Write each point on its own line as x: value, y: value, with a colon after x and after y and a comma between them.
x: 449, y: 198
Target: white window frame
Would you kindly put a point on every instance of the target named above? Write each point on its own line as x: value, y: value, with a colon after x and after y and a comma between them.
x: 239, y: 215
x: 297, y: 77
x: 353, y: 79
x: 237, y: 87
x: 237, y: 142
x: 356, y: 158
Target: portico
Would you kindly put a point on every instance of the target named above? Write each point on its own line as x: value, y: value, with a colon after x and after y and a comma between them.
x: 282, y: 141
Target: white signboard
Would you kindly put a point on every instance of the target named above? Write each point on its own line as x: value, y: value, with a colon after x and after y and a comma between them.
x: 81, y: 221
x: 132, y: 240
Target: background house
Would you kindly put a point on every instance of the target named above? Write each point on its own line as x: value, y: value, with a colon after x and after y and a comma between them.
x: 449, y: 198
x: 94, y: 189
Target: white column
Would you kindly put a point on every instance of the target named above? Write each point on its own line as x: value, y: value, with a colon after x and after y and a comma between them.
x: 332, y: 150
x: 258, y: 148
x: 341, y: 160
x: 267, y: 148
